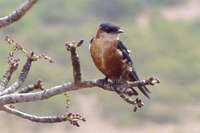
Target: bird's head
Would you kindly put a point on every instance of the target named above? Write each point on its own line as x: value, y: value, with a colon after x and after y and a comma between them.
x: 109, y: 31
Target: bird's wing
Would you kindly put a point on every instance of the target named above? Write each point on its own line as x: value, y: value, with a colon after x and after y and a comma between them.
x: 133, y: 73
x: 125, y: 52
x: 91, y: 42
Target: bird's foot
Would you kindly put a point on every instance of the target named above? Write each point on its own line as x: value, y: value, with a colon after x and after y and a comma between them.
x: 130, y: 92
x: 118, y: 81
x: 116, y: 84
x: 103, y: 81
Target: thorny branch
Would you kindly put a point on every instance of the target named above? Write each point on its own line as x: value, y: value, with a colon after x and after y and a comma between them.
x: 17, y: 14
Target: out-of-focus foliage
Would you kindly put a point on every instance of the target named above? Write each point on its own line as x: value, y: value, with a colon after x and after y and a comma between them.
x: 168, y: 49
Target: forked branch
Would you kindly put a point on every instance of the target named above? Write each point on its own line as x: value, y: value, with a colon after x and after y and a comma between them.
x: 15, y: 94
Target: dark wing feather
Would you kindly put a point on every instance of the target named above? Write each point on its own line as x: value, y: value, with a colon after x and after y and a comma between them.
x: 124, y: 51
x: 134, y: 75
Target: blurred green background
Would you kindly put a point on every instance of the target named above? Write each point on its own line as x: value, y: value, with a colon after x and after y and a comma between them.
x: 163, y: 36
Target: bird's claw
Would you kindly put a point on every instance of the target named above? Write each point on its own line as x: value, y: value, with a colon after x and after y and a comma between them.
x: 130, y: 92
x: 138, y: 104
x: 103, y: 81
x: 152, y: 81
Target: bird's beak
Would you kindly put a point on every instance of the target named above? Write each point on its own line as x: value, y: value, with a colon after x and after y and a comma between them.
x: 120, y: 31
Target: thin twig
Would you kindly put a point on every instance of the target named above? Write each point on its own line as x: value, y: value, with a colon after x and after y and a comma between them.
x: 71, y: 117
x: 20, y: 80
x: 26, y: 68
x: 71, y: 46
x: 29, y: 54
x: 30, y: 88
x: 13, y: 65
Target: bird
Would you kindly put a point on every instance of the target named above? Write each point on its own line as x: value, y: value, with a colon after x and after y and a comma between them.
x: 111, y: 56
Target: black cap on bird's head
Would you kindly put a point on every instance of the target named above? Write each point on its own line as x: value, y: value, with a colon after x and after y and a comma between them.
x: 110, y: 28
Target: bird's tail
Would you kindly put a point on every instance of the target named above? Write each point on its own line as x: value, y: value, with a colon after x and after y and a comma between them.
x: 143, y: 89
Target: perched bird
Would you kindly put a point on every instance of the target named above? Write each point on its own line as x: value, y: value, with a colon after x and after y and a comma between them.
x: 111, y: 56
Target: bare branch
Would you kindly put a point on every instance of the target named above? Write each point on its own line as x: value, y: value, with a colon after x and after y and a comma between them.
x: 71, y: 117
x: 26, y: 68
x: 150, y: 81
x: 17, y: 14
x: 26, y: 95
x: 20, y: 80
x: 13, y: 65
x: 29, y: 54
x: 71, y: 46
x: 32, y: 87
x: 45, y: 94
